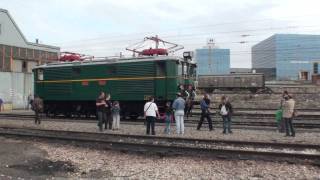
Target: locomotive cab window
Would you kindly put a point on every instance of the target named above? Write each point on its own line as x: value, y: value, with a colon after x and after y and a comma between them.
x: 184, y: 69
x: 40, y: 74
x: 193, y: 70
x: 180, y: 70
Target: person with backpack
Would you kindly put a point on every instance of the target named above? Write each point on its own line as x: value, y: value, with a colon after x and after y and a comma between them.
x: 37, y: 107
x: 225, y: 108
x: 151, y: 113
x: 178, y: 106
x: 116, y: 115
x: 205, y: 112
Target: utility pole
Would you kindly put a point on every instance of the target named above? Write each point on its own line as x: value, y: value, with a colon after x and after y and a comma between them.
x: 210, y: 44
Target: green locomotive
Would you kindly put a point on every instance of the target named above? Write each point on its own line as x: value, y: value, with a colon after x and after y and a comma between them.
x: 71, y: 88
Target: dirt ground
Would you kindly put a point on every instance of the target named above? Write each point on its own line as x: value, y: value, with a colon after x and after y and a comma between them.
x: 23, y: 160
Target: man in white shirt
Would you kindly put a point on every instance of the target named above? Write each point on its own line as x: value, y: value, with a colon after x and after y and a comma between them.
x: 150, y: 113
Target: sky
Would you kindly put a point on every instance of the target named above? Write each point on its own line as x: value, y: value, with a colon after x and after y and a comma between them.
x: 106, y: 27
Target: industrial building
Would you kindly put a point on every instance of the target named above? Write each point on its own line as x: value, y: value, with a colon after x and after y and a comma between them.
x: 287, y: 56
x: 212, y: 61
x: 17, y: 58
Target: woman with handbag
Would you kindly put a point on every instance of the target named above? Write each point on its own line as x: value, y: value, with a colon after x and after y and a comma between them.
x: 150, y: 113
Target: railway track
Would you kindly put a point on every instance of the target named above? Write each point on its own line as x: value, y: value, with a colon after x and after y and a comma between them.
x: 192, y: 121
x: 226, y: 149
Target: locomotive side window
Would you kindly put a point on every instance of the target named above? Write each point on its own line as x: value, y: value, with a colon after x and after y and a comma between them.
x: 40, y: 74
x: 161, y: 70
x: 76, y: 71
x: 112, y: 70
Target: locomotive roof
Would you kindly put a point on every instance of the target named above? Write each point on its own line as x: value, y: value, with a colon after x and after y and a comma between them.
x: 110, y: 61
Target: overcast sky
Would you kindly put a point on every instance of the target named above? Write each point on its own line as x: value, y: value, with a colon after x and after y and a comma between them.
x: 107, y: 27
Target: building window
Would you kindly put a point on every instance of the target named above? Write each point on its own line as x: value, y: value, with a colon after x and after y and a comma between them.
x: 315, y: 68
x: 24, y: 66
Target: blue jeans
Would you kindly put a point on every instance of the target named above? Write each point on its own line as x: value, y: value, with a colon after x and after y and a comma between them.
x: 289, y: 127
x: 102, y: 117
x: 226, y: 123
x: 168, y: 122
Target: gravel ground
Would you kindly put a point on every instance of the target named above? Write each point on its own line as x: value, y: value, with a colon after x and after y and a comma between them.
x: 105, y: 164
x: 238, y: 134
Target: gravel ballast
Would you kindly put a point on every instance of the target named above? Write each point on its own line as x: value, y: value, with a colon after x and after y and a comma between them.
x: 110, y: 164
x: 191, y: 132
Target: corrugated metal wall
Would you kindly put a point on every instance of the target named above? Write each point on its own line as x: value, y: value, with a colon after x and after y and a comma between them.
x: 15, y: 88
x: 263, y: 54
x: 296, y: 53
x: 290, y: 54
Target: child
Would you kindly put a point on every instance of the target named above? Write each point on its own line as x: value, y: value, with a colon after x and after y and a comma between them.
x: 168, y: 117
x: 116, y: 115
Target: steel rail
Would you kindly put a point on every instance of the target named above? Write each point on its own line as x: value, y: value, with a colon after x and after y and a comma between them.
x: 147, y: 143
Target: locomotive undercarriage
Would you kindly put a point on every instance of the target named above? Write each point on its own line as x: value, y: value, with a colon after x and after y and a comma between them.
x: 87, y: 109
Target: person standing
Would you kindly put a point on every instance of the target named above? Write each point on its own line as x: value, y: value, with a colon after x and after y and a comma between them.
x: 29, y: 99
x: 281, y: 122
x: 37, y: 106
x: 288, y: 113
x: 1, y: 105
x: 225, y: 108
x: 178, y: 106
x: 101, y: 110
x: 205, y: 112
x: 189, y: 101
x: 168, y: 117
x: 150, y: 113
x: 116, y: 115
x: 108, y: 107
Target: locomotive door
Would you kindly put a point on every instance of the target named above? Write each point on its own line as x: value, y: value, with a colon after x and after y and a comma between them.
x: 160, y: 81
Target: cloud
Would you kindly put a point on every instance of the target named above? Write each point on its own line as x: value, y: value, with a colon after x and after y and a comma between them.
x: 106, y: 27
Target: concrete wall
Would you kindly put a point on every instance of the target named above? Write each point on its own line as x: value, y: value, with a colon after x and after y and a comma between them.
x: 15, y: 88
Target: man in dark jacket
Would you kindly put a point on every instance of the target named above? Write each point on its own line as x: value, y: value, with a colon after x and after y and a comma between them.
x: 205, y: 112
x: 226, y: 111
x: 101, y: 109
x: 37, y: 107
